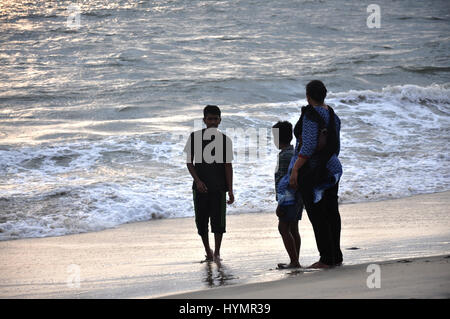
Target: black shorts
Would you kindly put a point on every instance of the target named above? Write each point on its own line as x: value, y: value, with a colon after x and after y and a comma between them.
x: 292, y: 213
x: 210, y: 205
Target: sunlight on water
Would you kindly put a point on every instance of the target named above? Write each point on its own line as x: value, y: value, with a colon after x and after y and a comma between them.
x: 105, y: 107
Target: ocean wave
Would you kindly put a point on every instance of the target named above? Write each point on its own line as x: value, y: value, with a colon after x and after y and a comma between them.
x: 72, y: 210
x: 425, y: 69
x: 72, y: 187
x: 429, y: 18
x: 435, y: 93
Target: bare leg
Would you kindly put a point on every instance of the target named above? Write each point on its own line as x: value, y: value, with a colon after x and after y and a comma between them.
x: 208, y: 250
x: 217, y: 243
x: 289, y: 243
x: 293, y: 228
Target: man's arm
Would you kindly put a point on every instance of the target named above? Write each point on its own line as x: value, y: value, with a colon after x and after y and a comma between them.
x: 201, y: 187
x: 309, y: 144
x: 229, y: 179
x: 189, y: 150
x: 294, y: 174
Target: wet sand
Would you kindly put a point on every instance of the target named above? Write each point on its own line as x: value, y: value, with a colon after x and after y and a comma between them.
x: 427, y: 277
x: 163, y: 257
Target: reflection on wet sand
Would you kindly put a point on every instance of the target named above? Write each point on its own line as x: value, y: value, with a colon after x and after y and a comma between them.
x: 216, y: 275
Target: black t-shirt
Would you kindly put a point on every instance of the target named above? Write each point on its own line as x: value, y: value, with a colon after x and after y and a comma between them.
x: 209, y: 150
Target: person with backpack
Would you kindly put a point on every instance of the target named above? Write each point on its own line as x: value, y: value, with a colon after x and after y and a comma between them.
x: 317, y: 172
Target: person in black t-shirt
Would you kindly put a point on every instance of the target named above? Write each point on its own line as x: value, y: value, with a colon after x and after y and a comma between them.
x: 209, y: 156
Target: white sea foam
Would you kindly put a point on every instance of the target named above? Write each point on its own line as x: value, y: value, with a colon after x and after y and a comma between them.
x: 394, y: 143
x: 92, y: 131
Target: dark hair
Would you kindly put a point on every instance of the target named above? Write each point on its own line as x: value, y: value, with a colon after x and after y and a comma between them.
x: 316, y: 90
x: 211, y: 109
x: 285, y: 131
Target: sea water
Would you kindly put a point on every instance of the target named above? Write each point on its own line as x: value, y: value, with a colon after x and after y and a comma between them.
x: 97, y: 99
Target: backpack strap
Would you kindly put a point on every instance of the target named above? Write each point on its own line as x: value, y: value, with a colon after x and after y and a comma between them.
x: 332, y: 142
x: 299, y: 125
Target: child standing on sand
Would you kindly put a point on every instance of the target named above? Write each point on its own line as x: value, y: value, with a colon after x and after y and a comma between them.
x: 290, y: 205
x: 209, y: 156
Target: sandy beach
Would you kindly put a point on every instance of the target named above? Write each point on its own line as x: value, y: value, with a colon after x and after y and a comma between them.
x: 97, y: 103
x: 163, y: 258
x: 427, y: 277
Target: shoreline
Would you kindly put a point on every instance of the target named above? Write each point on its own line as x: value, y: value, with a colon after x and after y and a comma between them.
x: 423, y: 277
x: 163, y: 257
x: 228, y: 214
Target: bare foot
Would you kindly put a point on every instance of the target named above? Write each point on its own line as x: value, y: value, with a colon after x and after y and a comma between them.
x: 319, y: 265
x: 209, y: 256
x: 217, y: 257
x: 289, y: 266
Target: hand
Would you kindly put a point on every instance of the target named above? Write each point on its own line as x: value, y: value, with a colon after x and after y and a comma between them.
x: 293, y: 180
x: 201, y: 187
x: 279, y: 212
x: 231, y: 198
